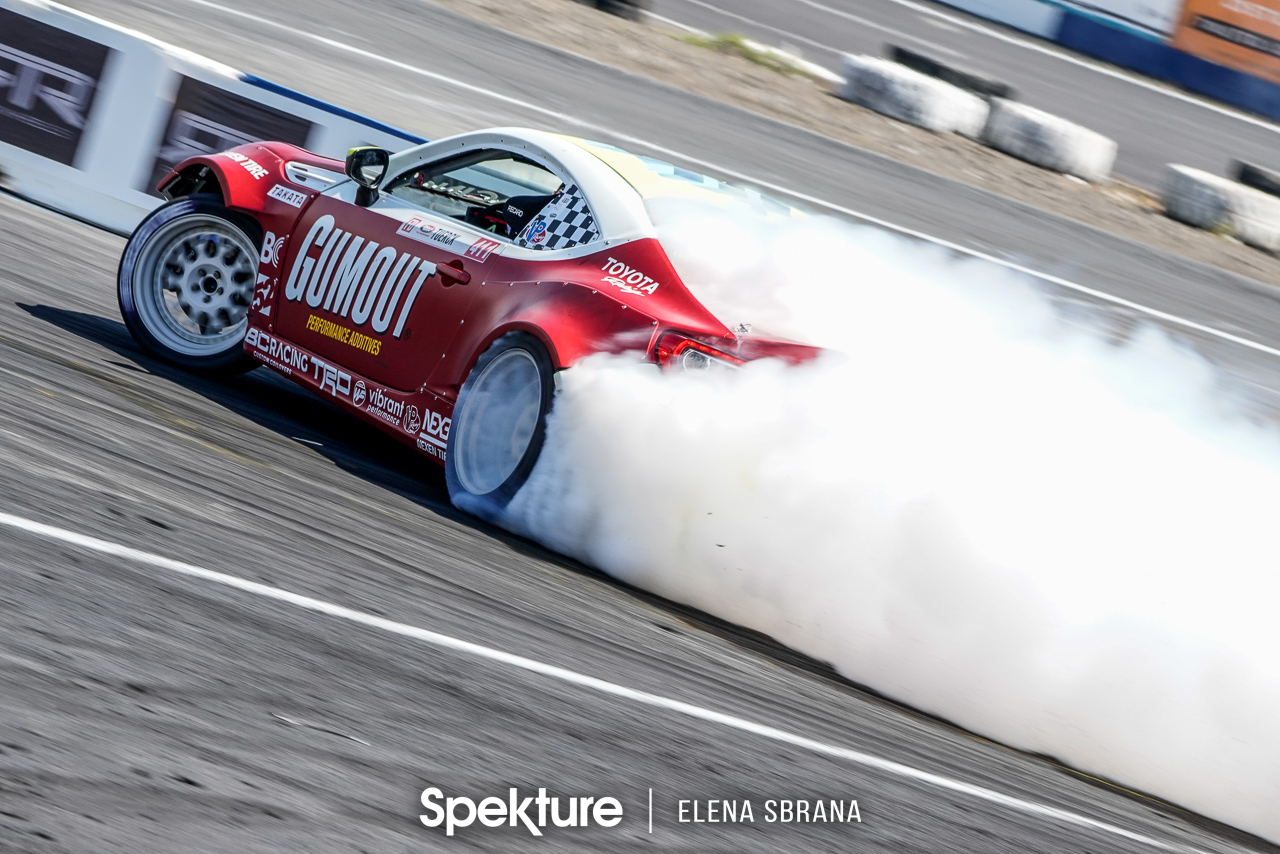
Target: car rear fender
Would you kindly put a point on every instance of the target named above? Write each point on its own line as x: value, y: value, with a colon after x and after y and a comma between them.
x: 572, y: 322
x: 252, y: 178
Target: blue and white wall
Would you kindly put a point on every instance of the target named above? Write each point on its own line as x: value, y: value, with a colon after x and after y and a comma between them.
x: 92, y: 114
x: 1132, y: 34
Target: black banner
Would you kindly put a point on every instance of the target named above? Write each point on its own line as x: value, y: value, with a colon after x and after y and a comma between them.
x: 48, y: 79
x: 206, y: 119
x: 1237, y: 35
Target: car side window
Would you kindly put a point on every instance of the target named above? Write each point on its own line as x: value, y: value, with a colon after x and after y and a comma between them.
x: 503, y: 193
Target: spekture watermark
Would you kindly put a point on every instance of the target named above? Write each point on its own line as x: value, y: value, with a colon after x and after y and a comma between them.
x: 537, y: 813
x: 532, y: 812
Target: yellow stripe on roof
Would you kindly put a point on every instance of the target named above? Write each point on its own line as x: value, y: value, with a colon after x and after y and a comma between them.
x: 656, y: 179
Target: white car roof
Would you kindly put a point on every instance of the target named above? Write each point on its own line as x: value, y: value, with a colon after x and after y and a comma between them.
x: 616, y: 205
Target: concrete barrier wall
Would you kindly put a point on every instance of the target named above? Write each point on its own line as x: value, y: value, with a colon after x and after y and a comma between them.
x: 92, y: 114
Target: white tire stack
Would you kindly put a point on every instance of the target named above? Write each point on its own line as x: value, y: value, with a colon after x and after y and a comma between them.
x: 909, y: 96
x: 1049, y: 141
x: 1216, y: 204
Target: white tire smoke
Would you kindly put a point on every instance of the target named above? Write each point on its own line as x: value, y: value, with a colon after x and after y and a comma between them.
x: 1060, y: 543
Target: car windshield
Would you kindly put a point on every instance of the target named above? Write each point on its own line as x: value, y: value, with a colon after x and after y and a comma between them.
x: 476, y: 187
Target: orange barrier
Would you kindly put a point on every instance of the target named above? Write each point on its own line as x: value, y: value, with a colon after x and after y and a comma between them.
x: 1240, y: 34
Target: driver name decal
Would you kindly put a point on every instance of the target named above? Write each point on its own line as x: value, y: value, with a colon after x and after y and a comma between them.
x: 349, y: 276
x: 469, y: 246
x: 426, y: 232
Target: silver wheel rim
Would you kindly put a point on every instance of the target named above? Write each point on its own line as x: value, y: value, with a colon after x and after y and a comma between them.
x: 193, y: 284
x: 495, y: 429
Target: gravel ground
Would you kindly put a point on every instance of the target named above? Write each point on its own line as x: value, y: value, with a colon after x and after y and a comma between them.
x: 649, y: 50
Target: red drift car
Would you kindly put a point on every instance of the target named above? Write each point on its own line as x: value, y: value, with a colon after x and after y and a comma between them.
x: 434, y: 292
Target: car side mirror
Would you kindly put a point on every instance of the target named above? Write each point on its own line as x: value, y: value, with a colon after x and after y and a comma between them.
x: 367, y: 166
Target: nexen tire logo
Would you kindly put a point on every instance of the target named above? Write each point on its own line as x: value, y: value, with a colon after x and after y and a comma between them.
x: 495, y: 812
x: 350, y: 277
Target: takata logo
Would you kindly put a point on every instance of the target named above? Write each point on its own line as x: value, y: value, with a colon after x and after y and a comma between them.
x: 289, y: 197
x: 532, y: 813
x: 271, y: 246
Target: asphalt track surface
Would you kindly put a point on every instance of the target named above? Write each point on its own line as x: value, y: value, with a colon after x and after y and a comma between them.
x: 146, y: 709
x: 1155, y: 123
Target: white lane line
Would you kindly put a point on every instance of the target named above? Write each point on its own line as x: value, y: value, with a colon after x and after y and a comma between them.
x: 671, y: 22
x: 803, y: 40
x: 571, y: 677
x: 1062, y: 55
x: 1165, y: 316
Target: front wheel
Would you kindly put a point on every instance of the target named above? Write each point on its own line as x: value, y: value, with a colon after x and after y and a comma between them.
x: 186, y: 282
x: 499, y: 424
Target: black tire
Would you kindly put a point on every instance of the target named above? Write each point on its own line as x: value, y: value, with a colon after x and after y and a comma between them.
x: 186, y: 282
x: 629, y: 9
x: 499, y: 424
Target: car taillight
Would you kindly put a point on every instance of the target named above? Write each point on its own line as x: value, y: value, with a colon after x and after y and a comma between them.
x: 676, y: 351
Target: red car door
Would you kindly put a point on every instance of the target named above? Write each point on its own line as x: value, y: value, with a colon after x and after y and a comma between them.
x: 360, y: 287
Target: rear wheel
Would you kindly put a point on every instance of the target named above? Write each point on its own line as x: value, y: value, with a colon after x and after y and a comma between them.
x: 499, y: 424
x: 186, y: 282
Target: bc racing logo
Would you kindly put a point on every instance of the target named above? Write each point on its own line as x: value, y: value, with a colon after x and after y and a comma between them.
x: 271, y: 246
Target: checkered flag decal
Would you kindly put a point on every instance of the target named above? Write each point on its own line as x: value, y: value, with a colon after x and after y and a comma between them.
x: 564, y: 222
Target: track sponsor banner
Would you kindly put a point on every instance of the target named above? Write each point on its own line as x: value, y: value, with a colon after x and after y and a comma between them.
x: 92, y: 114
x: 48, y: 80
x: 1240, y: 34
x: 206, y: 119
